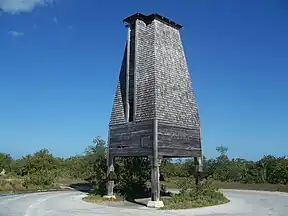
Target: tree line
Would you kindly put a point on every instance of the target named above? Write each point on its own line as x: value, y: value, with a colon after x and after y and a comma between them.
x: 42, y: 168
x: 269, y: 169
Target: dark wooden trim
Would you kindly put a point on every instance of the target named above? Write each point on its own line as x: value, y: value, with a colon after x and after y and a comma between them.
x: 148, y: 19
x: 127, y: 74
x: 135, y: 71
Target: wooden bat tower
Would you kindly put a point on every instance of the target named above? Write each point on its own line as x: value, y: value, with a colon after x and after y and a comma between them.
x: 154, y: 112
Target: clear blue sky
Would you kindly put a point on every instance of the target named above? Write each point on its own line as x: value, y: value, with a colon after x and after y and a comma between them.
x: 60, y: 64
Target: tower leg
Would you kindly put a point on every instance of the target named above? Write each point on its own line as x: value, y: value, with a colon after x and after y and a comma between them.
x: 110, y: 183
x: 155, y: 180
x: 155, y: 184
x: 155, y: 172
x: 199, y: 168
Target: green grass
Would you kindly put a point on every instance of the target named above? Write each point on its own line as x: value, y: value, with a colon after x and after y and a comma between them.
x: 16, y: 186
x: 172, y: 183
x: 100, y: 199
x: 11, y: 185
x: 261, y: 187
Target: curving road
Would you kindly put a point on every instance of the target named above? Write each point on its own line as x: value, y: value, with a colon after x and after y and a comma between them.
x: 66, y: 203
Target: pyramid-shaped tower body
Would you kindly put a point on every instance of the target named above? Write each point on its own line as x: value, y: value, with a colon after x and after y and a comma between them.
x: 154, y: 105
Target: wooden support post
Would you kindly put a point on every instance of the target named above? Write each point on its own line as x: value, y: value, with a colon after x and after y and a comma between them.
x: 155, y: 164
x: 198, y: 168
x: 155, y: 172
x: 200, y: 164
x: 155, y: 179
x: 110, y: 183
x: 110, y: 168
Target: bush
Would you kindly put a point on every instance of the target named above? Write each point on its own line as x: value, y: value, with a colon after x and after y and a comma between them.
x: 132, y: 176
x: 41, y: 178
x: 185, y: 183
x: 192, y: 196
x: 99, y: 187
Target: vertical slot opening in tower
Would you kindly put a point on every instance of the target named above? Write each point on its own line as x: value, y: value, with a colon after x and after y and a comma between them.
x: 131, y: 73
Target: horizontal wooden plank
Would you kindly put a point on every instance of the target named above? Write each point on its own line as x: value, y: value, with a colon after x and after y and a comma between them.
x: 184, y: 144
x: 170, y: 152
x: 137, y: 139
x: 177, y: 138
x: 168, y: 124
x: 131, y: 139
x: 130, y: 152
x: 132, y: 126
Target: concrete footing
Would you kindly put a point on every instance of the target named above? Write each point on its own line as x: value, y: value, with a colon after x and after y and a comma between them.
x: 155, y: 204
x: 109, y: 197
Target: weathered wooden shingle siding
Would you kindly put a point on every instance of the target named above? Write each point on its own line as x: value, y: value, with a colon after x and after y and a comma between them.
x: 118, y: 110
x: 145, y: 71
x: 175, y: 101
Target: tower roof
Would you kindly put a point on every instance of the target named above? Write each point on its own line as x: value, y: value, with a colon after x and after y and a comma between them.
x: 150, y: 18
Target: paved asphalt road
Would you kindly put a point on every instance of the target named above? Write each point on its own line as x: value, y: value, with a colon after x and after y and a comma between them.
x: 69, y: 203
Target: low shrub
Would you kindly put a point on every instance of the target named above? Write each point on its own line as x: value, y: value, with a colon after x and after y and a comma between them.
x: 192, y: 196
x: 99, y: 187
